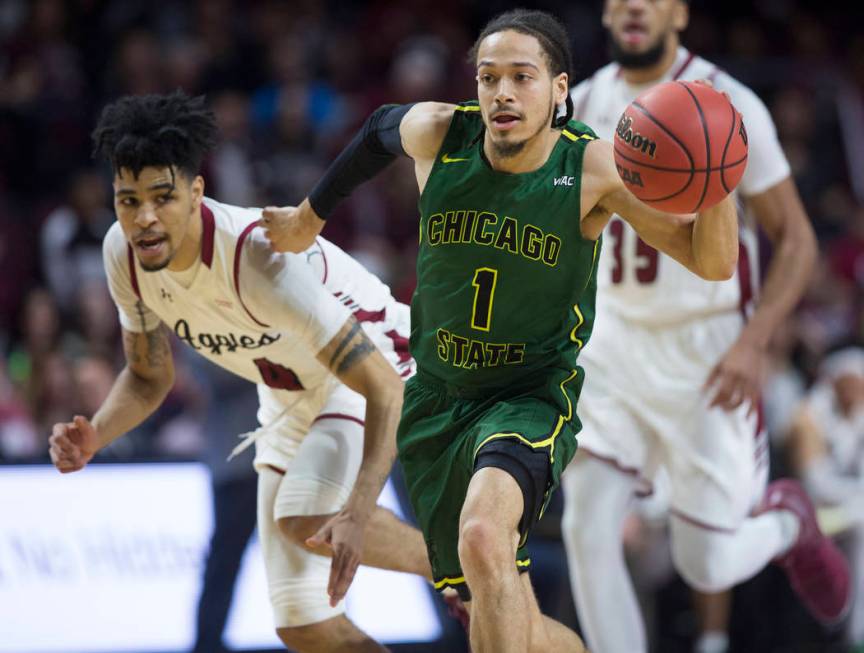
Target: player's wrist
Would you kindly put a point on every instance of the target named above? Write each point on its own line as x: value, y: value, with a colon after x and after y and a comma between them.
x: 755, y: 336
x: 359, y: 506
x: 309, y: 217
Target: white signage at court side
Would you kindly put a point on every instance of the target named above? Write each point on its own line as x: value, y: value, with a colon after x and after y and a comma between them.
x: 110, y: 559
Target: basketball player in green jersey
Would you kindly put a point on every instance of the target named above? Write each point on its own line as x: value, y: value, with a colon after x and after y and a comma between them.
x: 513, y: 201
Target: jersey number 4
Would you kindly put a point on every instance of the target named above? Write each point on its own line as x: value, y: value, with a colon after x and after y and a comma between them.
x: 646, y: 270
x: 277, y: 376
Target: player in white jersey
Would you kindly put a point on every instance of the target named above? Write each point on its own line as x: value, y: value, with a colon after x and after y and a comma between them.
x: 674, y: 372
x: 302, y: 327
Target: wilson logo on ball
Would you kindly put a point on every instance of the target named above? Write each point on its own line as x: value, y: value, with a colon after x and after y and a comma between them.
x: 634, y: 139
x: 629, y: 176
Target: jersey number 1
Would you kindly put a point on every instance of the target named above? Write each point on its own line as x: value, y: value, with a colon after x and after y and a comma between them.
x: 485, y: 280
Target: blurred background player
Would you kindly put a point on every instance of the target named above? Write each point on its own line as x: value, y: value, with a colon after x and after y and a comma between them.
x: 674, y: 376
x: 827, y: 451
x: 329, y: 399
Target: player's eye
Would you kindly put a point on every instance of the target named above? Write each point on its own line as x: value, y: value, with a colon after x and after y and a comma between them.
x: 128, y: 201
x: 486, y: 78
x: 164, y: 199
x: 522, y: 77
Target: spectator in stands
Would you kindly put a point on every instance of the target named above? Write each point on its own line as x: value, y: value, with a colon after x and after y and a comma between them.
x: 827, y: 450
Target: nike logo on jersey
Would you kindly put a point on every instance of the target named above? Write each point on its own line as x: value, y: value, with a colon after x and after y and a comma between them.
x: 563, y: 181
x: 447, y: 159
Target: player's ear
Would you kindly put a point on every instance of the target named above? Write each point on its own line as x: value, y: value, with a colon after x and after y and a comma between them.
x: 606, y: 18
x: 681, y: 15
x: 561, y: 86
x: 197, y: 190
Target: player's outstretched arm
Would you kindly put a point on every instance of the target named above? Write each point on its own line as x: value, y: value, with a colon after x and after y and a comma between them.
x: 137, y: 392
x: 415, y: 130
x: 706, y: 244
x: 355, y: 360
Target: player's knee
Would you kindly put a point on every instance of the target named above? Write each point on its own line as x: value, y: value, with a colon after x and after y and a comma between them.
x: 299, y: 528
x: 704, y: 568
x: 480, y: 543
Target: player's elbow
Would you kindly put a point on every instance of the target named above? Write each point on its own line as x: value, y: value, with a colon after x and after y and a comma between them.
x: 718, y: 266
x: 384, y: 388
x: 722, y: 271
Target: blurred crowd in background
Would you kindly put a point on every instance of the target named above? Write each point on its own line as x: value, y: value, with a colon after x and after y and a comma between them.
x: 289, y: 83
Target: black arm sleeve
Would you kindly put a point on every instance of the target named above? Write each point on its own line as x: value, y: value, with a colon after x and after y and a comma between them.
x: 369, y: 152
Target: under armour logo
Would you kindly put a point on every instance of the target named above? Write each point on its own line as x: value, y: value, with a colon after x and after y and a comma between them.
x: 166, y: 295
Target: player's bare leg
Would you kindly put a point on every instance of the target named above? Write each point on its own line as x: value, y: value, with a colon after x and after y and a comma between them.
x: 390, y: 543
x: 558, y: 636
x: 713, y: 611
x: 336, y: 635
x: 505, y: 617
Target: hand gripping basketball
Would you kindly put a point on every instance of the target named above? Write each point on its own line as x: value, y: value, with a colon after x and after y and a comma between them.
x: 681, y: 147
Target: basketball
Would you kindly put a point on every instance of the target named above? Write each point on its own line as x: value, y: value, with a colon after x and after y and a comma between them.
x: 681, y: 147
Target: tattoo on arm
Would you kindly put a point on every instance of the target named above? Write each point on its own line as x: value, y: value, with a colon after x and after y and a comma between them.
x: 353, y: 347
x: 355, y: 327
x: 158, y: 348
x: 150, y: 349
x: 360, y: 351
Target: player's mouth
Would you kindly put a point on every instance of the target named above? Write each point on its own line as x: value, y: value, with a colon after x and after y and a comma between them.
x: 151, y: 246
x: 505, y: 121
x: 634, y: 33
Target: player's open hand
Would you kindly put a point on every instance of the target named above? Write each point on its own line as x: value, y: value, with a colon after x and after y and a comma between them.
x: 738, y: 377
x: 343, y: 534
x: 291, y: 228
x: 73, y: 444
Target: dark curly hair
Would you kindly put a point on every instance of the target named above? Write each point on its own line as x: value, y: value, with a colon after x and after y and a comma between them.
x: 549, y: 32
x: 155, y: 130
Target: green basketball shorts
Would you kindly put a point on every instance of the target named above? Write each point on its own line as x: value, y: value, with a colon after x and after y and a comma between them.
x: 447, y: 433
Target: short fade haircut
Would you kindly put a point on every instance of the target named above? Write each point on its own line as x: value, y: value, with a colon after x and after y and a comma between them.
x: 549, y: 32
x: 172, y: 130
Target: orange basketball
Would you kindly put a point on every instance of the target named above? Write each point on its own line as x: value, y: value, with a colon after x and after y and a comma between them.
x: 681, y: 147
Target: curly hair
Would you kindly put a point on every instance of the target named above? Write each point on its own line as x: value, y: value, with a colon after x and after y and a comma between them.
x: 172, y: 130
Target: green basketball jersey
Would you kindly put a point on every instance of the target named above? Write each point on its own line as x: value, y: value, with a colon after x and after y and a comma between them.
x: 505, y: 281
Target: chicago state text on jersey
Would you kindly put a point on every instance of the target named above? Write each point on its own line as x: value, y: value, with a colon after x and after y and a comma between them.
x: 485, y: 228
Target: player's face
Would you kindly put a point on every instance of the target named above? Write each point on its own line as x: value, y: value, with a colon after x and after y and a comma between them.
x: 156, y: 211
x: 638, y: 27
x: 517, y: 94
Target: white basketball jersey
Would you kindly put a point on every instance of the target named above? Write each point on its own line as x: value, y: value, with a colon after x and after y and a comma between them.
x: 636, y: 281
x: 261, y: 315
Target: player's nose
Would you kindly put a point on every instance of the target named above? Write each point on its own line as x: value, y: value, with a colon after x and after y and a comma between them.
x: 145, y: 216
x: 504, y: 91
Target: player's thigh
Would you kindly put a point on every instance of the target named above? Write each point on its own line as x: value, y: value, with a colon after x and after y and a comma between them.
x: 321, y: 476
x: 717, y: 465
